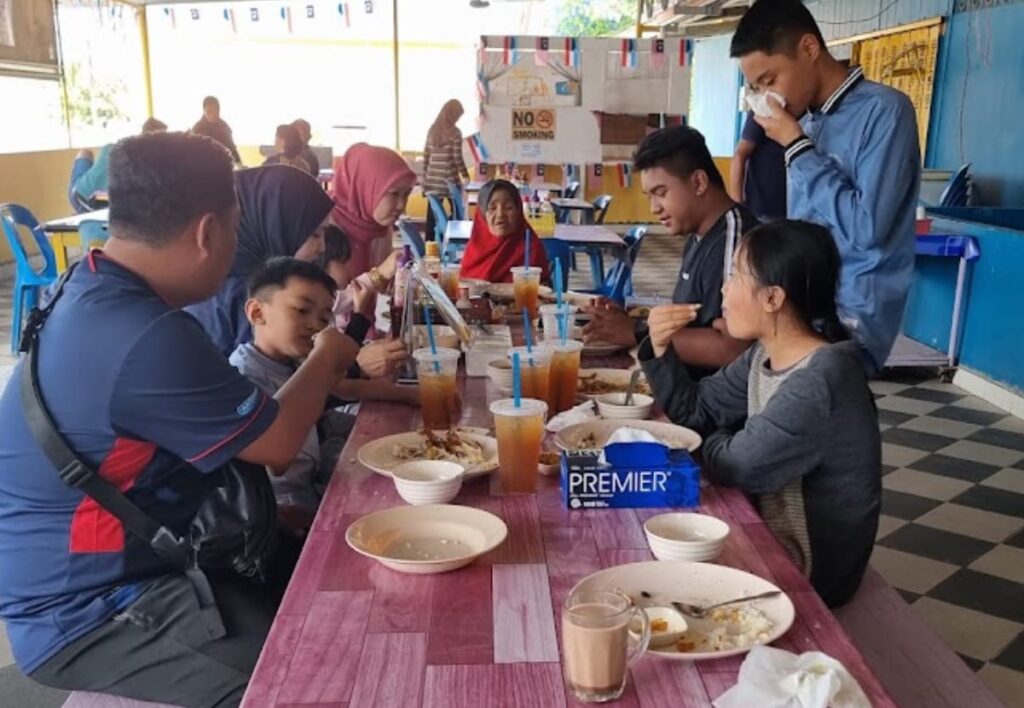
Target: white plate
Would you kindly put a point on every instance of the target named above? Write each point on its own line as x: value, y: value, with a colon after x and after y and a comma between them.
x: 615, y: 377
x: 602, y: 348
x: 505, y: 292
x: 675, y: 436
x: 377, y: 454
x: 695, y: 583
x: 433, y: 538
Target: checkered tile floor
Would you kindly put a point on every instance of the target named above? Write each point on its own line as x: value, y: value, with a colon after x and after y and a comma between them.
x: 951, y: 538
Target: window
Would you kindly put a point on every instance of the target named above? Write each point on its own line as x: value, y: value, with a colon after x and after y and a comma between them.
x: 33, y: 117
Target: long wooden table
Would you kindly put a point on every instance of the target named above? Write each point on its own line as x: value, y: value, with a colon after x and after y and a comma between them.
x: 353, y: 633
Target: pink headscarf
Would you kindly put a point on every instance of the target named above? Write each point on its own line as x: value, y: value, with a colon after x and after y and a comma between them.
x: 362, y: 176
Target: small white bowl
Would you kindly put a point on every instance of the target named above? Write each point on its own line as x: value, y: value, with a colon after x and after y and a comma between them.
x: 613, y: 405
x: 686, y: 536
x: 500, y: 373
x: 428, y: 481
x: 673, y: 618
x: 553, y: 469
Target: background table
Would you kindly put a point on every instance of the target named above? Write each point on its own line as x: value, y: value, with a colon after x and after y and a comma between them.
x: 351, y: 632
x: 64, y: 233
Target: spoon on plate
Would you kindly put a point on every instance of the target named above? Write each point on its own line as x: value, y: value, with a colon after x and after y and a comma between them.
x: 701, y: 611
x: 633, y: 379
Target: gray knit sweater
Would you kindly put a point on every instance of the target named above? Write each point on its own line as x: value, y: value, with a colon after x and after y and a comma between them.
x: 804, y: 442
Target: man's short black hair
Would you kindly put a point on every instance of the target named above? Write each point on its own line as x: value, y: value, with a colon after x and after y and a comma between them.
x: 274, y: 274
x: 774, y: 26
x: 210, y: 101
x: 680, y: 150
x: 161, y: 182
x: 336, y: 245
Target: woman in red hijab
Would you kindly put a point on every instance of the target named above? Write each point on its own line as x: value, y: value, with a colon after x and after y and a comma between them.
x: 498, y: 240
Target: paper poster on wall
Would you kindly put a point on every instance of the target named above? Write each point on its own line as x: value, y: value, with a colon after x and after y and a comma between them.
x: 6, y: 23
x: 529, y: 151
x: 533, y: 124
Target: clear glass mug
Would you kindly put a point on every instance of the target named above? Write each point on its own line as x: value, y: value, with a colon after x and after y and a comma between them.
x: 597, y: 645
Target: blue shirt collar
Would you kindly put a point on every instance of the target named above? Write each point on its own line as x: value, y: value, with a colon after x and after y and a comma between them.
x: 832, y: 103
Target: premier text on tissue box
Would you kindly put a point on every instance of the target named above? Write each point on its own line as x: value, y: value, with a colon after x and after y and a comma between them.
x: 638, y: 474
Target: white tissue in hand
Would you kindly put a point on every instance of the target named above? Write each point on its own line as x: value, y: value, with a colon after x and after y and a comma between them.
x: 774, y: 678
x: 759, y: 104
x: 580, y: 414
x: 627, y: 435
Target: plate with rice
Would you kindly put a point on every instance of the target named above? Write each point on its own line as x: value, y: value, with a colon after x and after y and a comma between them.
x: 729, y: 631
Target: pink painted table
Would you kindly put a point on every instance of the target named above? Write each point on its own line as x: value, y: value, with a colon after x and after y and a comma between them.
x: 353, y: 633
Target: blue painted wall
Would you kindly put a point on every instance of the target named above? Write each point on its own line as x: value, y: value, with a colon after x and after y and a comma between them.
x: 715, y: 94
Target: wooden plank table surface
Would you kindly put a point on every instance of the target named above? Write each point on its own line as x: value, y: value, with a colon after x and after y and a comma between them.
x: 350, y: 632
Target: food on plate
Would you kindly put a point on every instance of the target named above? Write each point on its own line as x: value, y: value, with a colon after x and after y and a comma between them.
x: 595, y: 385
x: 453, y: 447
x: 732, y: 628
x: 587, y: 442
x: 659, y: 625
x: 550, y: 458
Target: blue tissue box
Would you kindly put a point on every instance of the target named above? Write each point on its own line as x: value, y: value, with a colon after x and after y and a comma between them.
x: 637, y: 475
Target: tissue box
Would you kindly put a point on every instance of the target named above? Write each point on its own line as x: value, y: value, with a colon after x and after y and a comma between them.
x: 638, y: 475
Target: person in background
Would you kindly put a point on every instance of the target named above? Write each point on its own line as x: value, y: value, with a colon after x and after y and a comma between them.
x: 688, y: 197
x: 757, y: 174
x: 497, y: 242
x: 89, y: 176
x: 371, y: 189
x: 289, y: 146
x: 213, y: 126
x: 283, y: 213
x: 792, y: 422
x: 306, y: 133
x: 88, y: 606
x: 442, y: 156
x: 853, y: 162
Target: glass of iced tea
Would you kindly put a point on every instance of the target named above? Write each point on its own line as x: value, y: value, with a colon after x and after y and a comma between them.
x: 526, y: 285
x: 520, y: 432
x: 438, y: 400
x: 534, y: 372
x: 551, y: 314
x: 449, y: 280
x: 565, y: 371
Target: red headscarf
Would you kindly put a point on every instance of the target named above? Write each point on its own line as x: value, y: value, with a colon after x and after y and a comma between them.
x: 362, y: 176
x: 491, y: 258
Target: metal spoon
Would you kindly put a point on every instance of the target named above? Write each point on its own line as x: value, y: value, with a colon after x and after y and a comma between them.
x: 633, y: 380
x: 700, y: 612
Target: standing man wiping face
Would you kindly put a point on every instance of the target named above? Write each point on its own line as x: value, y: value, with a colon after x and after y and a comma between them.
x: 852, y: 160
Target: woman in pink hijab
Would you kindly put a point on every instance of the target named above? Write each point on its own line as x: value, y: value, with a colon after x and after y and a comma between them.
x: 371, y: 188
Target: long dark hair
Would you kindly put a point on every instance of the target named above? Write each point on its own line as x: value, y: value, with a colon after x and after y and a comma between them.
x: 802, y: 259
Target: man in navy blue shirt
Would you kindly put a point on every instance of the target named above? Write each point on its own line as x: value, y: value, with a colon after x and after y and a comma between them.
x: 853, y: 162
x: 757, y: 174
x: 154, y: 407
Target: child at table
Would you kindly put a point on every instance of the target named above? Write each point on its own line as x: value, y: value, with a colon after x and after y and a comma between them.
x: 792, y: 421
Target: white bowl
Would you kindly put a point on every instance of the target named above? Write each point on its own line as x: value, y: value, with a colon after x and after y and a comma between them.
x: 613, y: 405
x: 686, y: 536
x: 428, y: 481
x: 500, y: 373
x: 673, y: 618
x: 444, y: 336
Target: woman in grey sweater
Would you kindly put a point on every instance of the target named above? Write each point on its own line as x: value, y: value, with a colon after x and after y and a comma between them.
x: 792, y: 421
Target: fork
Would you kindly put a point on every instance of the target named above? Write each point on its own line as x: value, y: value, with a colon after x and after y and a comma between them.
x: 700, y: 612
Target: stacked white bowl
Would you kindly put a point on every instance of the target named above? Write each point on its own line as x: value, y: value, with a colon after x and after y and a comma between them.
x: 613, y: 405
x: 428, y: 481
x: 679, y: 536
x: 500, y: 373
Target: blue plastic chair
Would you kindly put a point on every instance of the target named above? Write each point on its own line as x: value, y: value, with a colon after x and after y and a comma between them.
x: 958, y: 192
x: 562, y: 216
x: 618, y: 283
x: 90, y: 232
x: 27, y: 280
x: 558, y: 251
x: 412, y: 238
x: 458, y: 201
x: 440, y: 217
x: 595, y: 253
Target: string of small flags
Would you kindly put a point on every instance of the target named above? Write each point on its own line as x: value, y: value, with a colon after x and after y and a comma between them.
x: 477, y: 148
x: 509, y: 53
x: 285, y: 12
x: 685, y: 52
x: 629, y: 53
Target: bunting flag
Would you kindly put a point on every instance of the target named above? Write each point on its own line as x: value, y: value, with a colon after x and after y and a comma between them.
x: 344, y: 14
x: 229, y: 15
x: 509, y: 54
x: 569, y: 171
x: 476, y: 147
x: 194, y: 14
x: 481, y: 170
x: 658, y: 59
x: 571, y: 52
x: 169, y: 14
x: 543, y: 51
x: 368, y: 7
x: 310, y: 12
x: 685, y: 52
x: 541, y: 169
x: 286, y: 15
x: 254, y: 14
x: 629, y: 53
x: 625, y: 175
x: 482, y: 87
x: 597, y: 176
x: 510, y: 170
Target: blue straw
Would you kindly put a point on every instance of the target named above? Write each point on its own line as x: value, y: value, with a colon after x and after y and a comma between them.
x: 558, y: 281
x: 517, y: 384
x: 562, y: 317
x: 527, y: 257
x: 526, y: 329
x: 430, y: 337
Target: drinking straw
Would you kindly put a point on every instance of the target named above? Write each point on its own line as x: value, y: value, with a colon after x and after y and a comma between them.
x: 562, y: 326
x: 517, y: 385
x: 558, y: 281
x: 526, y: 261
x: 526, y: 330
x: 430, y: 337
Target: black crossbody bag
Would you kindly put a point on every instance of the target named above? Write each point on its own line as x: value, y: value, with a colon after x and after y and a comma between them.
x: 234, y: 530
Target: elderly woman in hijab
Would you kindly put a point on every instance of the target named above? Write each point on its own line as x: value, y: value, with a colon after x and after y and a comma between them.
x: 442, y: 156
x: 282, y: 213
x: 371, y: 189
x: 497, y: 242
